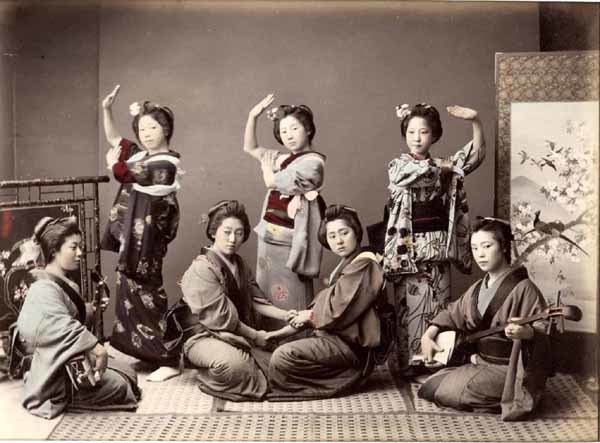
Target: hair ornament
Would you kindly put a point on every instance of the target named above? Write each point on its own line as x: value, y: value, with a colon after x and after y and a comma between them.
x: 425, y: 105
x: 135, y: 108
x: 275, y: 113
x: 203, y: 219
x: 403, y: 111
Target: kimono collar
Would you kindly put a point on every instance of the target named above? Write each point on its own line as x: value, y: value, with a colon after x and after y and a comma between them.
x: 293, y: 157
x: 231, y: 264
x: 337, y: 271
x: 419, y: 156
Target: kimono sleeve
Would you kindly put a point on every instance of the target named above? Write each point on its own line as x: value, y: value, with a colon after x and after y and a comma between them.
x: 468, y: 158
x: 205, y: 294
x: 301, y: 176
x: 46, y: 322
x: 121, y: 170
x: 355, y: 291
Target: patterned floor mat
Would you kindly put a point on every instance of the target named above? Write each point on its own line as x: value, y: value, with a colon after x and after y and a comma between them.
x: 346, y: 427
x: 563, y: 398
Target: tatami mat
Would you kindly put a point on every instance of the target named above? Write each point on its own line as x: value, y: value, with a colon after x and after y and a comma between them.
x: 350, y: 427
x: 178, y: 410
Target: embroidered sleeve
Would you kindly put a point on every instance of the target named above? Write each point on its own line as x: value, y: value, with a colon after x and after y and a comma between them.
x: 468, y: 158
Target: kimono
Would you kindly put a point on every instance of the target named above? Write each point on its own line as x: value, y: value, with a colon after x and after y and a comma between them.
x: 220, y: 294
x: 50, y: 328
x: 289, y: 253
x: 346, y: 326
x: 504, y: 375
x: 142, y: 222
x: 428, y: 228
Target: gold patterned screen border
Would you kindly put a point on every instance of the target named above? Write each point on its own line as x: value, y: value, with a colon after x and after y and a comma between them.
x: 536, y: 77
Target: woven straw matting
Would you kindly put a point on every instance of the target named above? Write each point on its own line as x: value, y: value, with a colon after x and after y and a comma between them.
x: 178, y: 410
x: 346, y: 427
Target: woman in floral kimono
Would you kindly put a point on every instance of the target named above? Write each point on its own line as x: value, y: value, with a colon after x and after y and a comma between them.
x: 142, y: 222
x: 222, y: 340
x: 289, y: 254
x: 52, y: 328
x: 428, y: 226
x: 346, y: 326
x: 509, y: 369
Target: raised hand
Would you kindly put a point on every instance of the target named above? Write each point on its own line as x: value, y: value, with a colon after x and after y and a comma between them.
x: 461, y: 112
x: 260, y: 107
x: 112, y: 156
x: 110, y: 98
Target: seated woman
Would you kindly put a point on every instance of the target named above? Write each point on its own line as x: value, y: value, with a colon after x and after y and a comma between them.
x: 51, y: 326
x: 508, y: 370
x: 222, y: 295
x: 343, y: 315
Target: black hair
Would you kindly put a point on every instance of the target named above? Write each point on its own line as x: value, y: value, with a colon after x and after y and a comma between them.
x: 501, y: 231
x: 427, y: 112
x: 162, y: 114
x: 223, y: 210
x: 340, y: 212
x: 302, y: 113
x: 51, y: 233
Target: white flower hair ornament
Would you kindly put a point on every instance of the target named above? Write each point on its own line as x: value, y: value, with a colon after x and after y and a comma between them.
x: 403, y: 111
x: 275, y: 113
x: 135, y: 108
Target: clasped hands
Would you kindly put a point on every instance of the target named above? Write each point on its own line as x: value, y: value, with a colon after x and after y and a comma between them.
x: 295, y: 319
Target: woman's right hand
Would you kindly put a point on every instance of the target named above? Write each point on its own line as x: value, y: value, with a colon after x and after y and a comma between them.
x: 261, y: 339
x: 101, y: 357
x: 428, y: 345
x: 110, y: 98
x: 260, y: 107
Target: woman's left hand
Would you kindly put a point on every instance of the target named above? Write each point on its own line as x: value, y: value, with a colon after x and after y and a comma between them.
x: 461, y: 112
x: 269, y: 159
x: 301, y: 319
x: 518, y: 332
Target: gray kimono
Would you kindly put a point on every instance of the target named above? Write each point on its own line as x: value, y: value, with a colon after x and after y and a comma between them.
x: 50, y: 330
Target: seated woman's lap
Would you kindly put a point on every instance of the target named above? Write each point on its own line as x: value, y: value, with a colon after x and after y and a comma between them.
x: 466, y: 387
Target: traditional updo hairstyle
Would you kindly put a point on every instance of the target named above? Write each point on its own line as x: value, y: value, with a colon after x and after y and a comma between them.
x: 302, y: 113
x: 427, y: 112
x: 162, y: 114
x: 223, y: 210
x: 51, y: 233
x: 340, y: 212
x: 501, y: 231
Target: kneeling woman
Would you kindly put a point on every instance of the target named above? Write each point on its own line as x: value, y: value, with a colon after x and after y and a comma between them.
x: 51, y: 326
x: 224, y: 298
x: 508, y: 371
x: 346, y: 325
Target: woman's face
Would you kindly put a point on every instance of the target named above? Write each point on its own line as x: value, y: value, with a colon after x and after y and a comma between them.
x: 293, y: 134
x: 487, y: 251
x: 68, y: 256
x: 419, y: 137
x: 229, y: 236
x: 341, y: 238
x: 151, y: 133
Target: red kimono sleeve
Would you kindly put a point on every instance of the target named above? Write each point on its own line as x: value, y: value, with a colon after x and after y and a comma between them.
x: 120, y: 169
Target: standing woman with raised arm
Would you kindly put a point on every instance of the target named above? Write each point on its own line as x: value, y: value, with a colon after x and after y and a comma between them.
x: 428, y: 227
x: 289, y: 253
x: 142, y: 222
